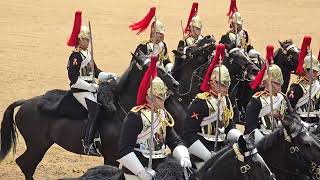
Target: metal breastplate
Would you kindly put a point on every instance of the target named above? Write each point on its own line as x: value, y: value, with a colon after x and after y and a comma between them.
x: 191, y: 41
x: 240, y: 40
x: 162, y: 119
x: 303, y: 102
x: 86, y: 71
x: 157, y: 49
x: 208, y: 124
x: 279, y: 107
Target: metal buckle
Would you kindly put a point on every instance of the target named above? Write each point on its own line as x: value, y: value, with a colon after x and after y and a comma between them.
x: 245, y: 168
x: 294, y: 149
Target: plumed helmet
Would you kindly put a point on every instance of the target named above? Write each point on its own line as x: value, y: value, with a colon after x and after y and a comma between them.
x: 84, y: 33
x: 307, y: 63
x: 158, y: 27
x: 196, y: 22
x: 224, y: 73
x: 275, y: 73
x: 236, y: 18
x: 159, y: 89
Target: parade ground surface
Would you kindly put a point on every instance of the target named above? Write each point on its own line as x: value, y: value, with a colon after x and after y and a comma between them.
x: 33, y: 51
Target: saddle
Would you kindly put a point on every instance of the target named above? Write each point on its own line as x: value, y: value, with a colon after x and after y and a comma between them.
x: 61, y: 103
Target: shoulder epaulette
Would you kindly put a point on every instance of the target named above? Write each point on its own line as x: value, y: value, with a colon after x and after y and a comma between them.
x: 202, y: 96
x: 137, y: 108
x: 258, y: 94
x: 145, y: 42
x: 299, y: 80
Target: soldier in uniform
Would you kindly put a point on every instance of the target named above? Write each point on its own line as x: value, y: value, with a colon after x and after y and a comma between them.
x: 298, y: 93
x: 237, y: 37
x: 81, y: 72
x: 260, y: 113
x: 135, y: 134
x: 202, y: 114
x: 155, y: 45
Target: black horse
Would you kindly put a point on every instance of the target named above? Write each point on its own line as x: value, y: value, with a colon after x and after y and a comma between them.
x: 189, y: 71
x: 41, y: 130
x: 291, y: 152
x: 286, y: 57
x: 242, y: 71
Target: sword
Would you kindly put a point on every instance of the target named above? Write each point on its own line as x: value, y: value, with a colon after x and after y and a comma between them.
x: 91, y: 51
x: 270, y: 93
x: 218, y: 111
x: 310, y: 85
x: 151, y: 144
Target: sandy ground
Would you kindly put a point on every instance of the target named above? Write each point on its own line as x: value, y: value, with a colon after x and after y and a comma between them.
x: 33, y: 52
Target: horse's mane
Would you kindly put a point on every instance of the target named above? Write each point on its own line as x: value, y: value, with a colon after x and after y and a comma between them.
x: 212, y: 162
x: 270, y: 140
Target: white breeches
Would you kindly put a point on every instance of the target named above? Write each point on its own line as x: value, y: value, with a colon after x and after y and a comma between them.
x: 80, y: 96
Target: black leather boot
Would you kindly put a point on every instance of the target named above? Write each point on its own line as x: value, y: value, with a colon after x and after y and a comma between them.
x: 93, y: 114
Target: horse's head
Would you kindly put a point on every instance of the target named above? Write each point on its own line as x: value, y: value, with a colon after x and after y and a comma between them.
x: 106, y: 94
x: 287, y: 55
x: 240, y: 66
x: 142, y: 62
x: 302, y: 140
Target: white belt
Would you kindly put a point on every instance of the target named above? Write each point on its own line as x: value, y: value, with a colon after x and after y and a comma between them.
x: 155, y: 154
x: 221, y: 137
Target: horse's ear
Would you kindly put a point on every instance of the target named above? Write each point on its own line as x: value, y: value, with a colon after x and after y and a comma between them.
x: 137, y: 59
x: 281, y: 44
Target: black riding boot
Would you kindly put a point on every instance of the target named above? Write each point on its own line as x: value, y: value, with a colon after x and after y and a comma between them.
x: 93, y: 113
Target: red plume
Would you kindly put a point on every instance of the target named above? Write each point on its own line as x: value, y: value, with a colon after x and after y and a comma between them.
x: 258, y: 79
x: 303, y: 52
x: 205, y: 87
x: 193, y: 12
x: 145, y: 82
x: 144, y: 23
x: 76, y: 29
x: 233, y: 8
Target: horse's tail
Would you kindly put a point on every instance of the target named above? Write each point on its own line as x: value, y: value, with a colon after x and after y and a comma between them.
x: 8, y: 131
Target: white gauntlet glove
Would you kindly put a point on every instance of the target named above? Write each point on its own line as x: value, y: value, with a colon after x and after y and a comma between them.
x: 182, y: 155
x: 147, y: 174
x: 103, y: 76
x: 253, y: 53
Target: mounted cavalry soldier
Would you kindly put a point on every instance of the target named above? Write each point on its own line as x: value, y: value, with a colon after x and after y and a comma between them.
x: 82, y: 72
x: 237, y: 37
x: 138, y: 140
x: 155, y: 45
x: 268, y: 106
x: 210, y: 115
x: 305, y: 92
x: 193, y: 28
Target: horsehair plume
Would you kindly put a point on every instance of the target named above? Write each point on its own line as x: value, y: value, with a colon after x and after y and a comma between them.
x: 269, y: 60
x: 193, y: 12
x: 219, y: 53
x: 145, y: 82
x: 303, y: 52
x: 76, y: 29
x: 232, y: 9
x: 143, y: 23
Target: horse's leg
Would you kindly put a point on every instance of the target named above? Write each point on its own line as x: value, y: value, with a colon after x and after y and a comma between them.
x: 30, y: 159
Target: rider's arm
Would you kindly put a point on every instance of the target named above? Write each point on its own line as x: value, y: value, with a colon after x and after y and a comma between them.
x: 252, y: 115
x: 195, y: 113
x: 166, y: 62
x: 132, y: 126
x: 294, y: 94
x: 74, y: 64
